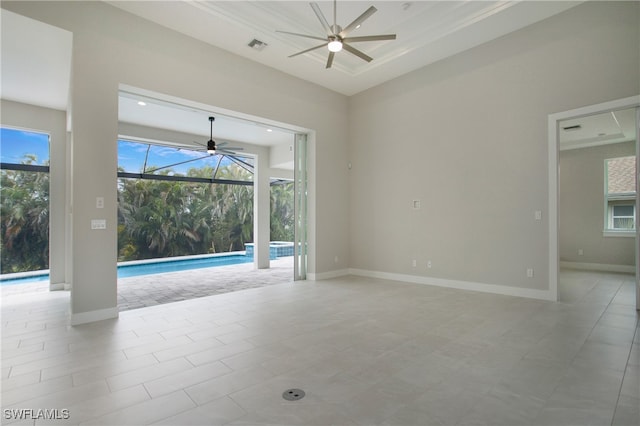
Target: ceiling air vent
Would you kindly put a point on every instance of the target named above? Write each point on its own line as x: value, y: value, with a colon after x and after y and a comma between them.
x: 572, y: 128
x: 257, y: 44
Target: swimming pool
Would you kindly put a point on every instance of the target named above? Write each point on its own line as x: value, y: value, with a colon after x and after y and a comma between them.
x: 146, y: 267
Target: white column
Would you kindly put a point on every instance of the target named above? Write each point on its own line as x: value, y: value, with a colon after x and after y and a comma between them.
x: 261, y: 212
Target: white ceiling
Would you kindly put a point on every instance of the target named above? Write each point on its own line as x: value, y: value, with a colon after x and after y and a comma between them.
x: 426, y: 32
x: 601, y: 129
x: 36, y: 62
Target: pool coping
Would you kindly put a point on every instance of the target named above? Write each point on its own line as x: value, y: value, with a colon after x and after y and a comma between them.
x: 30, y: 274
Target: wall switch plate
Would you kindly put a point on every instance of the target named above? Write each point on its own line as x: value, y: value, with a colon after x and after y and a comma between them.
x: 100, y: 202
x: 429, y: 264
x: 537, y: 214
x: 98, y: 224
x: 414, y: 263
x: 529, y: 272
x: 580, y: 252
x: 416, y: 204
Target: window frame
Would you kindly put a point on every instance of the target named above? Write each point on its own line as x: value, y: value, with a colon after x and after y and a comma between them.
x: 617, y: 199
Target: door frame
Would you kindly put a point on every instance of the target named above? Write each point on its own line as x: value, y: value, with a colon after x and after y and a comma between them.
x: 554, y: 164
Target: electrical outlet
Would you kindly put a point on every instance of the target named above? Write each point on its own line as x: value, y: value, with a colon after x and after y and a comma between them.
x: 429, y: 264
x: 580, y: 252
x: 529, y: 272
x: 414, y: 263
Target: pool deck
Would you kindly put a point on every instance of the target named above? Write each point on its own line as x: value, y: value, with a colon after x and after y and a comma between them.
x: 157, y: 289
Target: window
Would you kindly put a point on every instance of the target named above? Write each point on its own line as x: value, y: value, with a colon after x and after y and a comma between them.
x: 620, y: 195
x: 24, y: 190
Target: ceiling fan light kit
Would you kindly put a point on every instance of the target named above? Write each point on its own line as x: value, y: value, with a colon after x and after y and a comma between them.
x: 336, y: 37
x: 220, y: 148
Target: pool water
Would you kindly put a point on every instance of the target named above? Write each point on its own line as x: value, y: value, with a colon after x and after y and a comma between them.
x: 135, y: 270
x: 150, y: 267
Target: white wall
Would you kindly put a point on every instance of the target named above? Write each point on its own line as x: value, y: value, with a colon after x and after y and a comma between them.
x: 111, y: 47
x: 582, y: 214
x: 52, y: 122
x: 468, y: 137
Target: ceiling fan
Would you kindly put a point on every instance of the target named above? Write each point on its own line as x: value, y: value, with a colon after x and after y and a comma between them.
x: 337, y: 37
x: 218, y: 148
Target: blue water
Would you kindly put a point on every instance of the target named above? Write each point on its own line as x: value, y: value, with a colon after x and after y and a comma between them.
x: 159, y: 267
x: 125, y: 271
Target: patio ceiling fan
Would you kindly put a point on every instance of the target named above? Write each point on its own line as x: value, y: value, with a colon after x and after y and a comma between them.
x: 217, y: 148
x: 337, y: 38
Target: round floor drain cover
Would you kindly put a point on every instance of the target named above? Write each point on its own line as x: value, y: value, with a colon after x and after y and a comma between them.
x: 293, y: 394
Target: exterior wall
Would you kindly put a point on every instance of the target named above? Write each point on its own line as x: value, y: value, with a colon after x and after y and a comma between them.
x: 110, y: 48
x: 582, y: 208
x: 468, y: 137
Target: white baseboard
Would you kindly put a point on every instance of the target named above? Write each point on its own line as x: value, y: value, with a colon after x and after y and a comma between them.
x: 459, y: 285
x: 93, y: 316
x: 328, y: 275
x: 602, y: 267
x: 57, y: 286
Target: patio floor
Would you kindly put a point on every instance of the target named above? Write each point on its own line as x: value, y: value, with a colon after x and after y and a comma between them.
x: 157, y: 289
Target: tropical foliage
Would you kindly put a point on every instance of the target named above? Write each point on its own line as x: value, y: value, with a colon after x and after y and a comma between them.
x: 25, y: 219
x: 156, y: 218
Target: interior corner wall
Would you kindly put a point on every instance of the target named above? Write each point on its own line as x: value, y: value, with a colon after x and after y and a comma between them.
x: 582, y: 214
x: 52, y: 122
x: 467, y: 136
x: 112, y: 47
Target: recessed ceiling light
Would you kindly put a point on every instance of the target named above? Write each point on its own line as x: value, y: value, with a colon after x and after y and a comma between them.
x: 269, y: 130
x: 141, y: 103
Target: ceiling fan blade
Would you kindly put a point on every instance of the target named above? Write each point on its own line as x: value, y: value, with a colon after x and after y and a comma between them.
x: 301, y: 35
x: 369, y: 38
x: 321, y: 18
x: 359, y: 20
x: 330, y: 60
x: 308, y: 50
x: 357, y: 52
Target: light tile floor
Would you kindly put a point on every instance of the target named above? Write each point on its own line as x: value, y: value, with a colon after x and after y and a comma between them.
x: 365, y: 351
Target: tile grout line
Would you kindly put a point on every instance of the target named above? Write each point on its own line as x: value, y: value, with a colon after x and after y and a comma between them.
x: 635, y: 333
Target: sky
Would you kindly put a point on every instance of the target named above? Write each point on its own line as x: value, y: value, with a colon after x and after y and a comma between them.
x: 15, y: 144
x: 131, y: 157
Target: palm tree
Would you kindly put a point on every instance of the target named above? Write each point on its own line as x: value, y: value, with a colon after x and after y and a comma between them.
x: 25, y: 219
x: 282, y: 214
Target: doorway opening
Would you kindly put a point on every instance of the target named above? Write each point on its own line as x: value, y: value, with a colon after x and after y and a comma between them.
x: 574, y: 225
x: 217, y: 214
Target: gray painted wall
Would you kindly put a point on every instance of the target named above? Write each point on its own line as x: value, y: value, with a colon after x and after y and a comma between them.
x: 582, y: 207
x: 468, y: 137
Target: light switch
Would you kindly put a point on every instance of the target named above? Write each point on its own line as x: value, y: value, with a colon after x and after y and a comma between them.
x: 416, y: 204
x: 100, y: 202
x: 538, y: 214
x: 98, y: 224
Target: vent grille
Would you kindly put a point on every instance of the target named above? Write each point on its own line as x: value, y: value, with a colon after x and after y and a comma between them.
x: 571, y: 128
x: 256, y: 44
